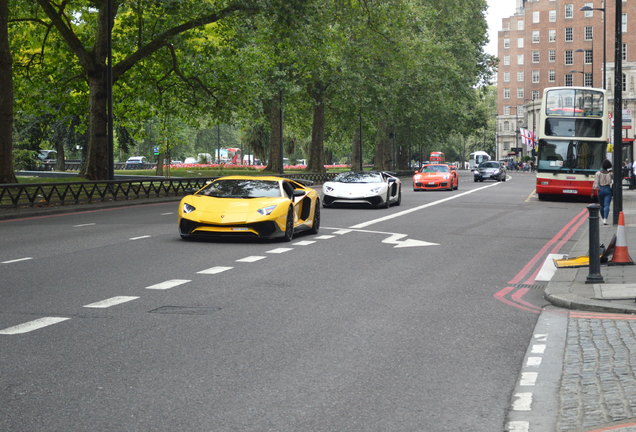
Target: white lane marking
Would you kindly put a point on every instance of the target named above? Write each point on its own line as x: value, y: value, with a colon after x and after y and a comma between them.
x: 533, y: 361
x: 540, y: 337
x: 304, y: 243
x: 528, y: 378
x: 32, y: 325
x: 279, y: 250
x: 395, y: 239
x: 518, y: 426
x: 523, y: 402
x: 549, y: 268
x: 168, y: 284
x: 16, y: 260
x: 139, y: 238
x: 324, y: 237
x: 414, y: 209
x: 84, y: 225
x: 167, y: 214
x: 342, y: 231
x: 538, y: 349
x: 110, y: 302
x: 250, y: 259
x: 215, y: 270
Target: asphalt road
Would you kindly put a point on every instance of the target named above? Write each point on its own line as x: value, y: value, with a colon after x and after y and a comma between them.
x: 400, y: 319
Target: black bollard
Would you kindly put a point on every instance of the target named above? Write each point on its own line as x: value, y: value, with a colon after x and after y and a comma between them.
x: 594, y: 273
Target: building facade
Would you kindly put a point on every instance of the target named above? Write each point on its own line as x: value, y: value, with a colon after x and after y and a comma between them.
x: 549, y: 43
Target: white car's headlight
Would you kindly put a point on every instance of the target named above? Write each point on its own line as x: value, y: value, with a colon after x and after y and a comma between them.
x: 328, y: 189
x: 188, y: 208
x: 266, y: 210
x: 375, y: 189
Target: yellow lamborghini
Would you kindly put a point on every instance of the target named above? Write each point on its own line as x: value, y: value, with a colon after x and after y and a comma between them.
x: 249, y: 206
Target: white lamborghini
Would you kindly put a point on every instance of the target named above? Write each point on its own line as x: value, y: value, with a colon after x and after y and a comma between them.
x: 374, y: 188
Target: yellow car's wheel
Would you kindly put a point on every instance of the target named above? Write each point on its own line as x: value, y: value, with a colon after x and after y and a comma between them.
x: 316, y: 226
x: 289, y: 225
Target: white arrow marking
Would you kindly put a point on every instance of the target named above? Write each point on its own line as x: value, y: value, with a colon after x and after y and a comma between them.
x: 395, y: 239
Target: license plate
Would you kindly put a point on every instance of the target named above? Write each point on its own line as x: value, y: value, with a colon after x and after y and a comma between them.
x: 240, y: 229
x: 570, y: 191
x: 431, y: 184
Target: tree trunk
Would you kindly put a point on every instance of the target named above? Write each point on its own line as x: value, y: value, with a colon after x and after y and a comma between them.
x: 7, y: 175
x: 356, y: 149
x: 275, y: 143
x: 96, y: 166
x: 317, y: 149
x: 382, y: 160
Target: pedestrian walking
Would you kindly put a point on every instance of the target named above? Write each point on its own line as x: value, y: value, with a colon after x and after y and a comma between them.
x: 603, y: 187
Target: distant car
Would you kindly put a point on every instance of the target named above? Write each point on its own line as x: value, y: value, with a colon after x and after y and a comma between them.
x: 47, y: 155
x: 250, y: 206
x: 490, y: 170
x: 374, y: 188
x: 190, y: 160
x: 136, y: 162
x: 435, y: 176
x: 176, y: 162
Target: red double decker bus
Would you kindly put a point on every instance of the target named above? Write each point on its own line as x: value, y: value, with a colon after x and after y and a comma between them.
x: 437, y: 157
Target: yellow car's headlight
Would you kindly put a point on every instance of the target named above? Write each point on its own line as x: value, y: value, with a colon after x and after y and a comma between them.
x: 188, y: 208
x: 266, y: 210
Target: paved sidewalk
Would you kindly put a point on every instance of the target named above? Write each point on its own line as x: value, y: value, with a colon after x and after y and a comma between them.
x: 597, y: 388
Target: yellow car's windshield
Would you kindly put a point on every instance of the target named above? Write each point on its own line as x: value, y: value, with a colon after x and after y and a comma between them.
x: 247, y: 188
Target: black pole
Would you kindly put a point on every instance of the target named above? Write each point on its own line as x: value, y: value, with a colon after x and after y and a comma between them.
x: 594, y: 273
x: 618, y: 114
x: 109, y: 90
x: 280, y: 114
x: 604, y: 48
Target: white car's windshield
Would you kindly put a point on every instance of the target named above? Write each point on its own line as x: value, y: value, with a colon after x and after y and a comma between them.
x: 242, y: 189
x: 365, y: 177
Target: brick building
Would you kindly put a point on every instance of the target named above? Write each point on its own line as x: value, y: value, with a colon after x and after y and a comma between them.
x: 550, y: 43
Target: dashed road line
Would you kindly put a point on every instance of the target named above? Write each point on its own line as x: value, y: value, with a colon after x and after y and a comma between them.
x: 16, y: 260
x: 251, y: 259
x: 139, y: 238
x: 110, y: 302
x: 279, y: 250
x: 84, y: 225
x: 168, y: 284
x: 215, y: 270
x: 32, y: 325
x: 324, y: 237
x: 304, y: 243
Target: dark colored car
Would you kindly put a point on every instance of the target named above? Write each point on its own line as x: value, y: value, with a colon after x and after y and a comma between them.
x: 490, y: 170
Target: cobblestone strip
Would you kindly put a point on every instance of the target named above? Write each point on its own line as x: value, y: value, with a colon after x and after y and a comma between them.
x: 598, y: 385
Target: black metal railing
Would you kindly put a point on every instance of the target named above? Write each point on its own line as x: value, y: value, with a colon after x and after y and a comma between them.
x: 24, y: 195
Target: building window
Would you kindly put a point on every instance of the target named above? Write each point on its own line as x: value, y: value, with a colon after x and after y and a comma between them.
x: 588, y: 79
x: 535, y: 76
x: 536, y: 57
x: 520, y: 77
x: 506, y: 43
x: 506, y: 125
x: 624, y: 54
x: 506, y: 93
x: 589, y: 33
x: 506, y: 60
x: 589, y: 56
x: 569, y: 34
x: 536, y: 17
x: 551, y: 56
x: 568, y: 80
x: 506, y: 109
x: 520, y: 25
x: 520, y: 59
x: 569, y: 11
x: 552, y: 35
x: 520, y: 43
x: 589, y: 13
x: 624, y: 83
x: 568, y: 57
x: 520, y: 93
x: 551, y: 75
x: 552, y: 15
x: 624, y: 23
x: 535, y: 94
x: 506, y: 76
x: 536, y: 36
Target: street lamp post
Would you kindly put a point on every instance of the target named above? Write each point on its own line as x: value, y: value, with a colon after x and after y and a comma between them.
x: 618, y: 111
x: 601, y: 9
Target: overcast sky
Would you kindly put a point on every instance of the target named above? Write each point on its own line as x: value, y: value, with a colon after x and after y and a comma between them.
x: 497, y: 9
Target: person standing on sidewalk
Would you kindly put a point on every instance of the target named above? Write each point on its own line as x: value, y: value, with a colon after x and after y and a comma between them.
x: 603, y: 187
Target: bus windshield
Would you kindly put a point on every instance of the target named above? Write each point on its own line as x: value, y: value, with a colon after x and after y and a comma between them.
x: 574, y: 103
x: 570, y: 156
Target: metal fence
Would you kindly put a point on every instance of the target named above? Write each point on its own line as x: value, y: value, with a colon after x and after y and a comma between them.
x: 86, y: 192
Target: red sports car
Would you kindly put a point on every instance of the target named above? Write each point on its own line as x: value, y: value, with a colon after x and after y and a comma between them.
x: 435, y: 176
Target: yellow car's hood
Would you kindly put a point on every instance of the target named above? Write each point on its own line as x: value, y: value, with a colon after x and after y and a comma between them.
x: 230, y: 210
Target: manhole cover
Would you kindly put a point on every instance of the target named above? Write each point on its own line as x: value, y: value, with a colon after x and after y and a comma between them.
x: 186, y: 310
